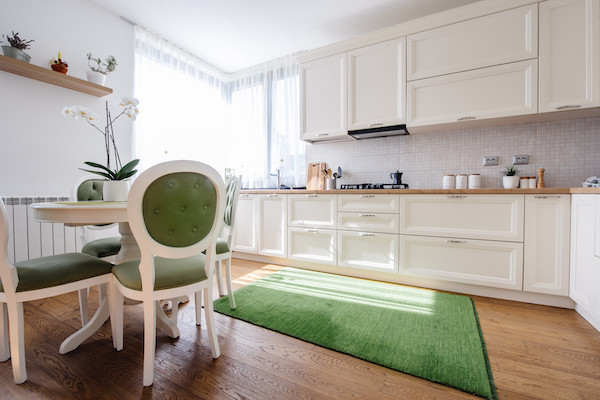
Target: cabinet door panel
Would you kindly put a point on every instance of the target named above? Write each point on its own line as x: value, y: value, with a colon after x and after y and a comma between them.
x: 317, y: 245
x: 501, y: 91
x: 479, y: 262
x: 369, y: 222
x: 374, y: 251
x: 244, y: 238
x: 583, y: 286
x: 499, y: 38
x: 369, y: 203
x: 312, y: 210
x: 272, y: 227
x: 569, y: 54
x: 376, y: 85
x: 547, y: 226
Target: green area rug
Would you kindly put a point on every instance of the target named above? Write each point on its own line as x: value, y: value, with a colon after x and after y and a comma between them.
x: 431, y: 335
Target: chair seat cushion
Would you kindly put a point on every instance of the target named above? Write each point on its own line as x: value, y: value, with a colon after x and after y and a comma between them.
x: 39, y: 273
x: 103, y: 247
x: 222, y: 246
x: 169, y: 273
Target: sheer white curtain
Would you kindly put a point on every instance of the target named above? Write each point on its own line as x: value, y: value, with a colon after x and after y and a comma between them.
x: 182, y: 105
x: 247, y: 121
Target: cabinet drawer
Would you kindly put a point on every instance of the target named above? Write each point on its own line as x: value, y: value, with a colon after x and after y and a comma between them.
x: 318, y: 245
x: 500, y: 91
x: 312, y: 210
x: 499, y: 38
x: 369, y: 203
x: 374, y: 251
x: 463, y: 216
x: 478, y: 262
x: 369, y: 222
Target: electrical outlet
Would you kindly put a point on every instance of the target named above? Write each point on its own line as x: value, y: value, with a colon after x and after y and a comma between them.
x: 489, y: 161
x: 520, y: 160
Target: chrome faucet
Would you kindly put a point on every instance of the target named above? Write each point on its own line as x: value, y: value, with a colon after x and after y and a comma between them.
x: 278, y: 175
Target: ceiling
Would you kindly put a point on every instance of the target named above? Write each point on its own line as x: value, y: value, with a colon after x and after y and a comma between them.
x: 236, y: 34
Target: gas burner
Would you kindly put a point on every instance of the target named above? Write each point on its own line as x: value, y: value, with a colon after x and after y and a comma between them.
x: 374, y: 186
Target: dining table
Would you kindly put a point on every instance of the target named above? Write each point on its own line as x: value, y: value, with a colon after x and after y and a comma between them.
x: 81, y: 213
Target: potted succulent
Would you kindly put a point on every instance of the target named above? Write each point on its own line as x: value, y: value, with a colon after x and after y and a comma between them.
x: 59, y: 65
x: 100, y: 68
x: 510, y: 180
x: 17, y: 47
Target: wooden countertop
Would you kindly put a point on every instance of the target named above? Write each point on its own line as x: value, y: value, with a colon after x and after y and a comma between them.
x: 580, y: 190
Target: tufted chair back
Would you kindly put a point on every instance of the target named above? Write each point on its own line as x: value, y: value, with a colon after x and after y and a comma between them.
x: 89, y: 189
x: 232, y: 193
x: 175, y: 209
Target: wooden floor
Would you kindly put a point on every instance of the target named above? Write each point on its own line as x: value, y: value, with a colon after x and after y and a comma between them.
x: 535, y: 352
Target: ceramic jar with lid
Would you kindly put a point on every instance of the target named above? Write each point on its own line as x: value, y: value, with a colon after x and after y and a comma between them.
x: 448, y: 182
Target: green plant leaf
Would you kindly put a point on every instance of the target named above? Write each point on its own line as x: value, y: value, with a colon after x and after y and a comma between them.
x: 104, y: 174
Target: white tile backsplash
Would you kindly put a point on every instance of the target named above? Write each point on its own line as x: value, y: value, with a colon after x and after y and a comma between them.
x: 568, y: 150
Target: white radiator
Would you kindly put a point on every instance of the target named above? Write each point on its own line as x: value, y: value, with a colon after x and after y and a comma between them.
x: 31, y: 239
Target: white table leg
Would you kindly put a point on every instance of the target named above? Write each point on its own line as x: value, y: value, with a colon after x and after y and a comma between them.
x: 129, y: 247
x: 99, y: 318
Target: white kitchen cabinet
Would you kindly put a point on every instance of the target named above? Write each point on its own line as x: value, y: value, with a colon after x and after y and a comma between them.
x: 312, y: 210
x: 377, y: 85
x: 323, y: 94
x: 489, y: 40
x: 498, y: 91
x: 368, y: 250
x: 472, y: 216
x: 312, y: 245
x: 272, y: 231
x: 479, y: 262
x: 585, y: 277
x: 569, y: 61
x: 368, y: 222
x: 597, y: 244
x: 546, y: 244
x: 369, y: 203
x: 245, y: 228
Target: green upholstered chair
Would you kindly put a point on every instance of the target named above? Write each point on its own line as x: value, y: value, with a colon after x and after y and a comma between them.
x: 37, y: 279
x: 90, y: 189
x: 175, y: 211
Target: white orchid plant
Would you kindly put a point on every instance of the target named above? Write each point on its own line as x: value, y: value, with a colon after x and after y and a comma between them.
x: 130, y: 110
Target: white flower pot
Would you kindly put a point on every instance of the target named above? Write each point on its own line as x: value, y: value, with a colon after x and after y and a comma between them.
x: 96, y: 77
x: 115, y: 190
x: 510, y: 182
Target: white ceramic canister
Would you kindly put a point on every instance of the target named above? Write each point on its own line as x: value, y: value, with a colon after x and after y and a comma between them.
x: 524, y: 182
x: 474, y: 181
x: 448, y: 182
x: 532, y: 182
x: 461, y: 181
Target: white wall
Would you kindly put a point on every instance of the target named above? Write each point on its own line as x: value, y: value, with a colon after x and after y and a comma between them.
x: 40, y: 150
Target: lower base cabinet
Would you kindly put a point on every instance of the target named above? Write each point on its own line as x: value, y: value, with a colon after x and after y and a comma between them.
x: 374, y: 251
x: 479, y: 262
x: 316, y: 245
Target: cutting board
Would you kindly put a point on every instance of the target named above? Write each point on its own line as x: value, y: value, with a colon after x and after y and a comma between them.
x: 315, y: 180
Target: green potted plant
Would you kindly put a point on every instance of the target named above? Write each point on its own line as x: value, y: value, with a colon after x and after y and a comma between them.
x: 100, y: 68
x: 510, y: 180
x: 59, y: 65
x: 17, y: 47
x: 116, y: 186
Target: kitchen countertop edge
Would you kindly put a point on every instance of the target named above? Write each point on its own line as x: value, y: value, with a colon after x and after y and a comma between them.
x: 582, y: 190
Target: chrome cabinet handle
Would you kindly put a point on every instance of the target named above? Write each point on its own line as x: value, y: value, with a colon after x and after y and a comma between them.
x: 546, y: 197
x: 244, y: 195
x: 366, y: 195
x: 310, y: 195
x: 375, y: 124
x: 311, y: 231
x: 366, y: 215
x: 568, y: 107
x: 271, y: 195
x: 456, y: 196
x: 455, y: 241
x: 366, y: 234
x: 465, y: 118
x: 322, y: 134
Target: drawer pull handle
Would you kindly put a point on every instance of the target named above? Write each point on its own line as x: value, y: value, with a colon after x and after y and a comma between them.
x: 312, y: 231
x: 244, y: 195
x: 366, y: 234
x: 465, y: 118
x: 375, y: 124
x: 546, y: 197
x: 322, y: 134
x: 456, y: 196
x: 363, y: 196
x: 311, y: 195
x: 366, y: 215
x: 568, y: 107
x: 455, y: 241
x: 271, y: 195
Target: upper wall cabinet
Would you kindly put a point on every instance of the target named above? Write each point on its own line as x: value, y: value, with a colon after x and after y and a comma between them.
x: 499, y: 38
x: 377, y: 85
x: 323, y: 85
x: 569, y: 59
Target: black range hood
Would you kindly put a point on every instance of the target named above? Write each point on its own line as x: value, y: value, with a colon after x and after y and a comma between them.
x: 380, y: 131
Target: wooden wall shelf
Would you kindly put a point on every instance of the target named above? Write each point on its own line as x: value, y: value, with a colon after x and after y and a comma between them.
x: 47, y: 75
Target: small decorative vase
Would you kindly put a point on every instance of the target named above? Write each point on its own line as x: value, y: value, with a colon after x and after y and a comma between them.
x: 13, y: 52
x: 510, y: 182
x: 96, y: 77
x: 59, y: 68
x: 115, y: 190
